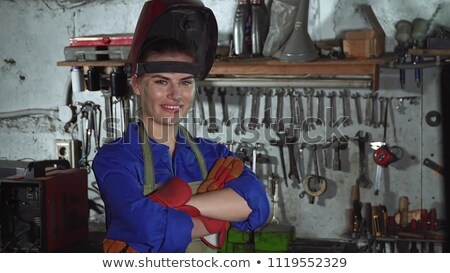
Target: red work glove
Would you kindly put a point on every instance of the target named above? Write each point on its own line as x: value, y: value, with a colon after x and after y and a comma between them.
x: 218, y: 230
x: 174, y: 193
x: 223, y: 171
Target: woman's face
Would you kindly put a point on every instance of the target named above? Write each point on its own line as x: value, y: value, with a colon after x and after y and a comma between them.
x: 165, y: 97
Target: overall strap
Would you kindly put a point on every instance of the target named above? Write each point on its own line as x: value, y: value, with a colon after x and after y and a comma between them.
x: 149, y: 183
x: 198, y: 154
x: 149, y: 171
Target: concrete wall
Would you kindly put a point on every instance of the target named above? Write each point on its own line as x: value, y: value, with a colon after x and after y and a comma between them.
x: 33, y: 35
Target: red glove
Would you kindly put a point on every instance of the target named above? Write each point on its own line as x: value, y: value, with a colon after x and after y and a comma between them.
x: 174, y: 193
x: 218, y: 230
x: 223, y: 171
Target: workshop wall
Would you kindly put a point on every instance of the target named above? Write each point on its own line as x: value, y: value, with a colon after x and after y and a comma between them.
x: 33, y: 35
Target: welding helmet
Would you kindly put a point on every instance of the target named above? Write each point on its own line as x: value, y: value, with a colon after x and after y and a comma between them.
x: 186, y: 21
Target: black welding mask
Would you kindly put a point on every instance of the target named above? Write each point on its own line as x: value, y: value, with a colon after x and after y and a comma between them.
x: 186, y: 21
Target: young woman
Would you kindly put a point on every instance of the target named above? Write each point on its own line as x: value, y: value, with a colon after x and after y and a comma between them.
x: 164, y: 189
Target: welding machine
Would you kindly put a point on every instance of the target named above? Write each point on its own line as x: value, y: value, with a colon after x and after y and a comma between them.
x: 45, y: 209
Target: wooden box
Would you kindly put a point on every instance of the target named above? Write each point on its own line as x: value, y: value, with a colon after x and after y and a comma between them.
x: 363, y: 44
x: 367, y: 43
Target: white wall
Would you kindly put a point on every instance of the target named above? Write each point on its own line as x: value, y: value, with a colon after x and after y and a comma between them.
x: 33, y: 35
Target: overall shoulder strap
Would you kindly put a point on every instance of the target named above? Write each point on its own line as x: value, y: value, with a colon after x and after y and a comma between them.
x: 149, y: 171
x: 198, y: 154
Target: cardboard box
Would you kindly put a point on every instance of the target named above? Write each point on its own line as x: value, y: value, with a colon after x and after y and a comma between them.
x: 368, y: 43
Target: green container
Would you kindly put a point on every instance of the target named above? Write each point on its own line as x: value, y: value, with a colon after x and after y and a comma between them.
x: 270, y: 238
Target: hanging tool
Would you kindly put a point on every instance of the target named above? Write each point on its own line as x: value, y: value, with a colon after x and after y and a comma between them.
x: 295, y: 125
x: 274, y: 183
x: 280, y: 101
x: 254, y: 113
x: 357, y: 210
x: 434, y: 166
x: 254, y: 156
x: 338, y: 145
x: 108, y: 115
x: 357, y: 99
x: 301, y: 112
x: 320, y: 107
x: 332, y: 97
x: 298, y: 154
x: 344, y: 95
x: 213, y: 127
x: 309, y: 93
x: 362, y: 180
x: 280, y: 143
x: 267, y: 120
x: 92, y: 114
x: 383, y: 155
x: 239, y: 129
x: 293, y: 172
x: 314, y: 184
x: 404, y: 205
x: 226, y: 119
x: 203, y: 120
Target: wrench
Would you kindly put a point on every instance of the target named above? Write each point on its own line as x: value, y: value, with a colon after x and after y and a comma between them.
x: 239, y: 129
x: 226, y: 118
x: 254, y: 156
x: 332, y: 97
x: 368, y: 120
x: 314, y: 185
x: 280, y: 122
x: 267, y: 120
x: 346, y: 113
x: 338, y: 144
x: 293, y: 172
x: 212, y: 128
x: 383, y: 105
x: 294, y: 111
x: 301, y: 112
x: 309, y: 92
x: 274, y: 182
x: 280, y: 144
x: 362, y: 137
x: 253, y: 124
x: 202, y: 109
x: 357, y: 98
x: 298, y: 154
x: 374, y: 98
x: 320, y: 108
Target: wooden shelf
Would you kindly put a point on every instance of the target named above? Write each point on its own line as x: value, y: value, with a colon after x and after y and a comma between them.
x: 429, y: 52
x: 264, y: 66
x: 93, y: 63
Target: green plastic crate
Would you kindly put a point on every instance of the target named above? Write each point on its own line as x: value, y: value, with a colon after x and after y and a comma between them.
x: 270, y: 238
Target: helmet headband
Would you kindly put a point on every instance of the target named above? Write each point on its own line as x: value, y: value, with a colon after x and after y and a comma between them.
x: 168, y: 66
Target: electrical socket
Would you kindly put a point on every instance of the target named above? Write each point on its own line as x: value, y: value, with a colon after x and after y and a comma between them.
x: 69, y: 150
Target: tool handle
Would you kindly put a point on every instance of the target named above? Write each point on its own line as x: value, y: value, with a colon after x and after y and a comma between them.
x: 404, y: 204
